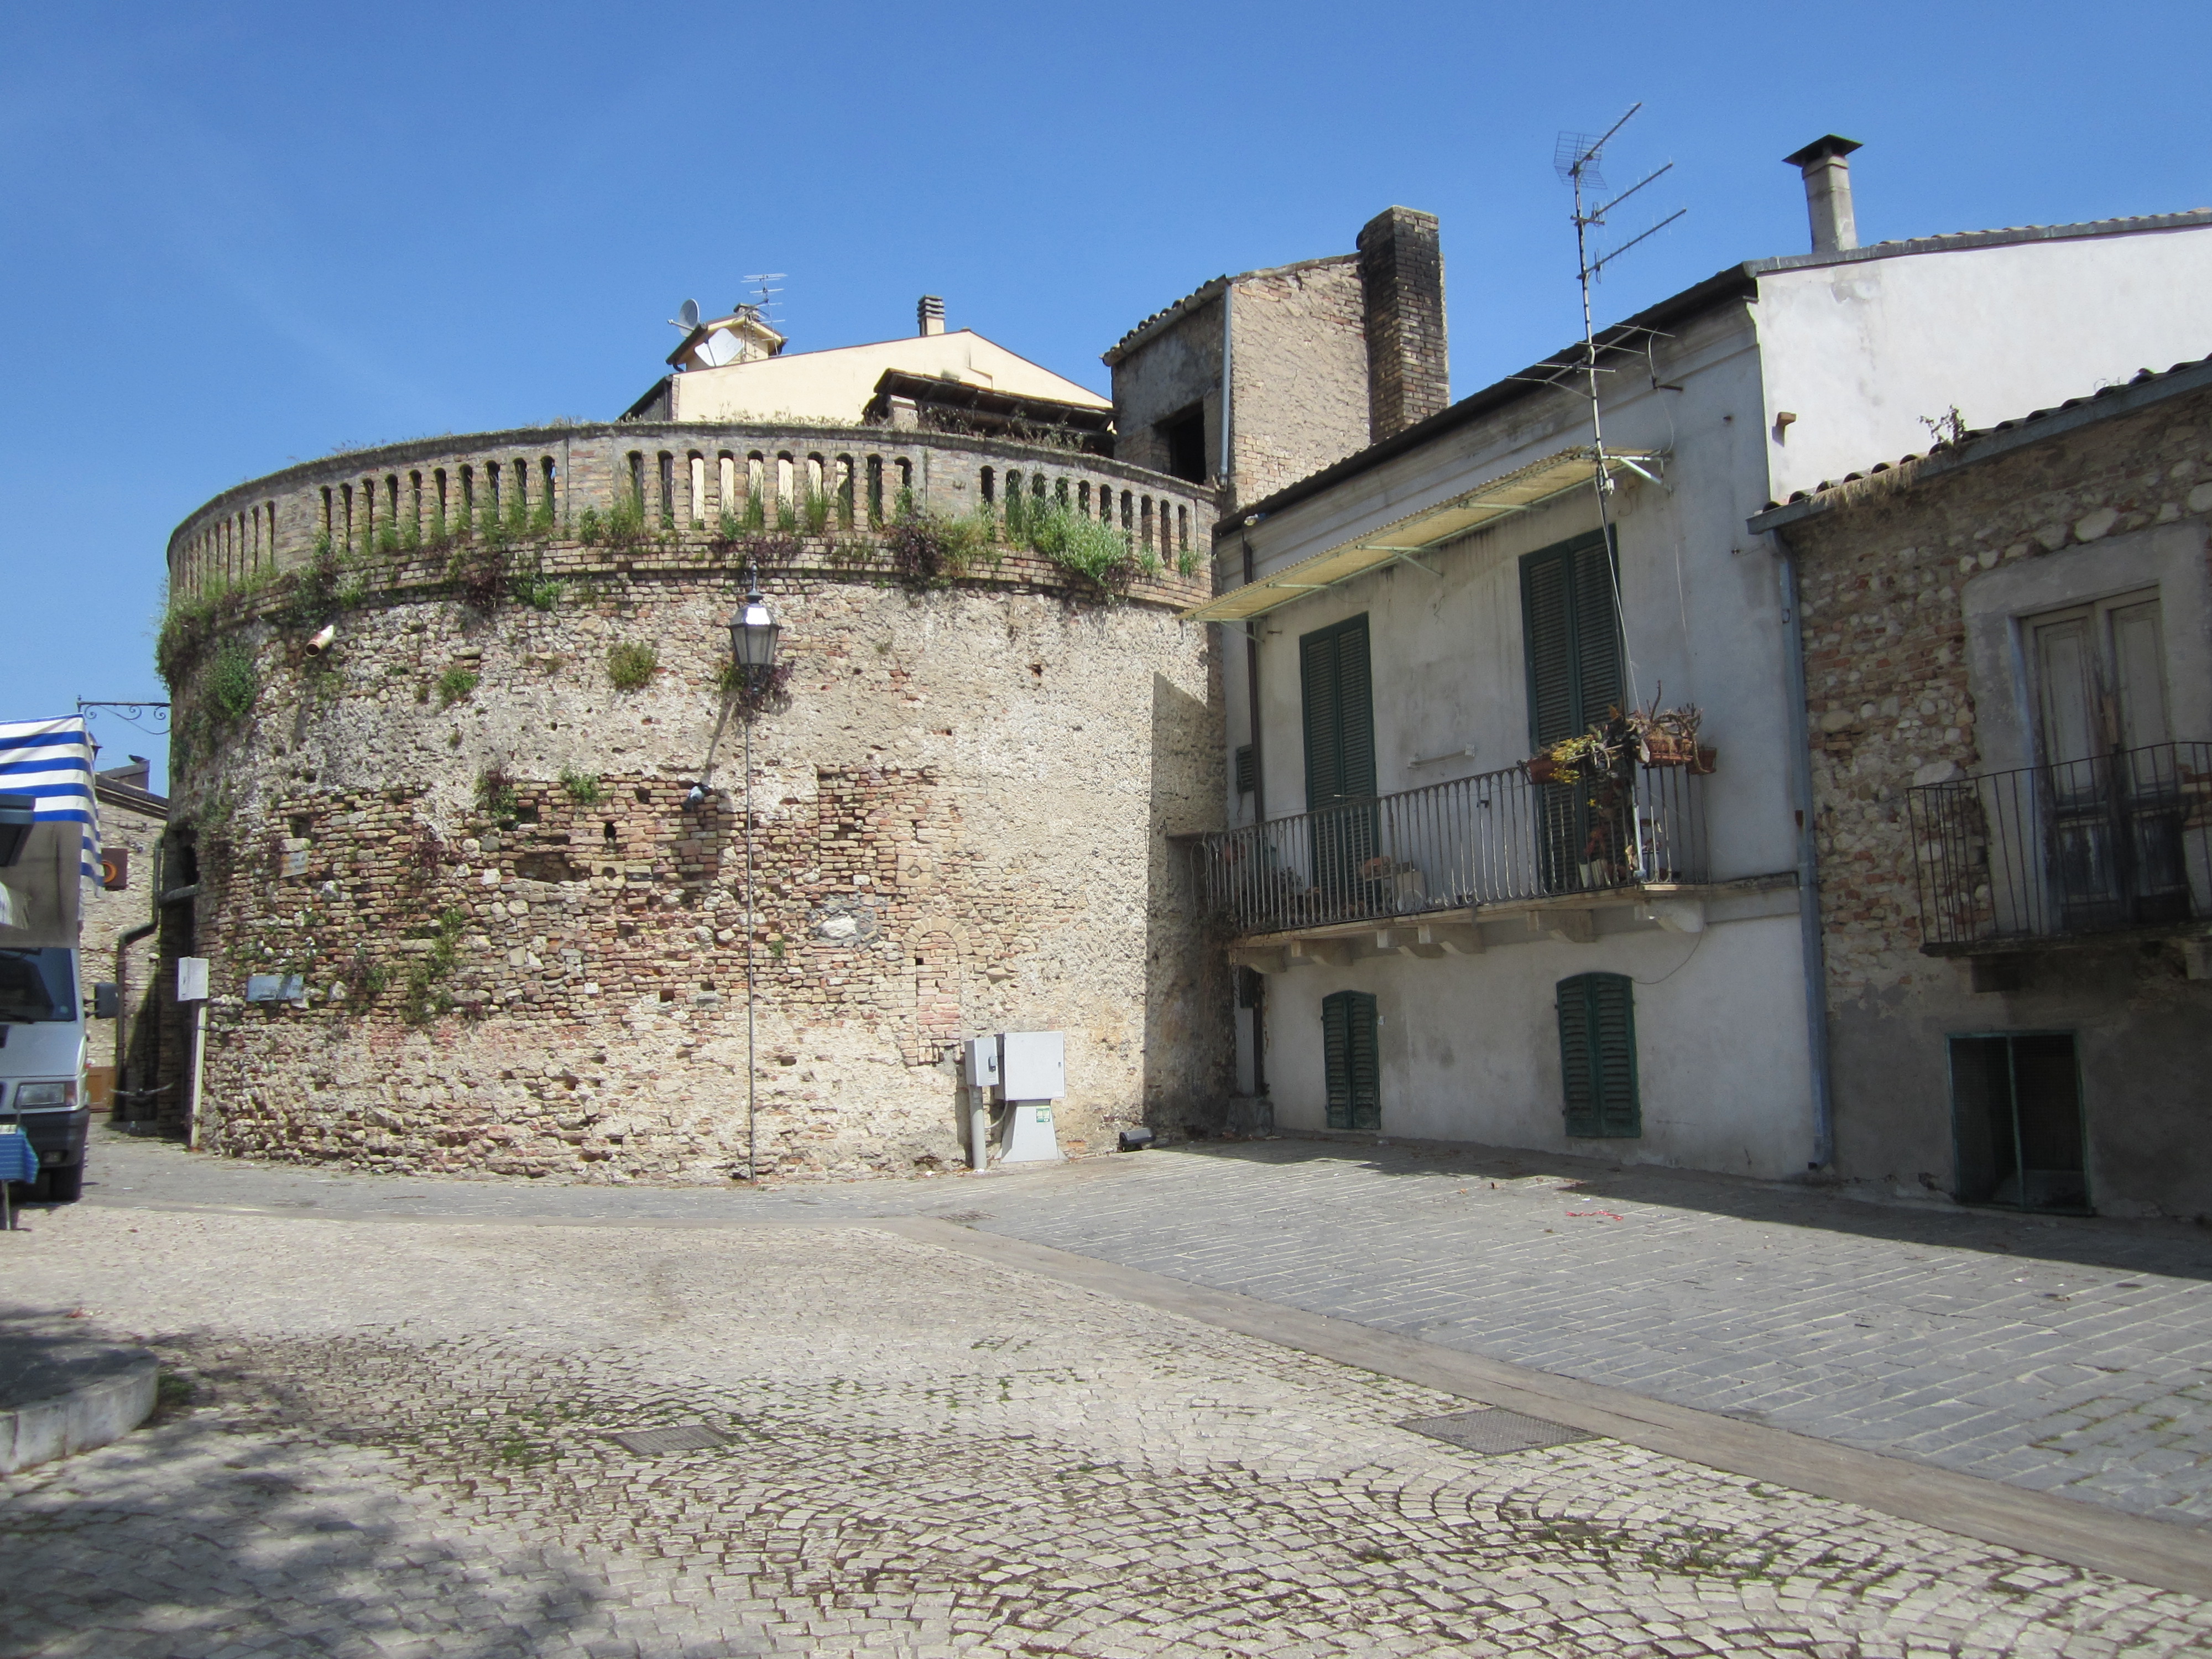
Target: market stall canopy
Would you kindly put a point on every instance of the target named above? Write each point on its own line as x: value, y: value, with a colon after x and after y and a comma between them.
x: 1519, y: 491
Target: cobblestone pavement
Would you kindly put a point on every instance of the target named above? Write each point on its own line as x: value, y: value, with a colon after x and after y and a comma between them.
x: 2073, y: 1356
x: 399, y: 1447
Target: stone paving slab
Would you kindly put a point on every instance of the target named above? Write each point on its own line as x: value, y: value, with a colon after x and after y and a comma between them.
x: 401, y: 1445
x: 2070, y: 1356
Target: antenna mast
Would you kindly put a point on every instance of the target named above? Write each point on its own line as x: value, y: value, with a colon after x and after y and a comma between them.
x: 1576, y: 159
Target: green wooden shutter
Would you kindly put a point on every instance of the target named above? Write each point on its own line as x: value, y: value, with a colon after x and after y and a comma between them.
x: 1571, y: 631
x: 1350, y: 1060
x: 1340, y: 713
x: 1597, y: 1056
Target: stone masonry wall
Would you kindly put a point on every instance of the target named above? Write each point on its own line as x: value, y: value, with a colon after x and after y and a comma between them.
x: 962, y: 800
x: 1891, y: 706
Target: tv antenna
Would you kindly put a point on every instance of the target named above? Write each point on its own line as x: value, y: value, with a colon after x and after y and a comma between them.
x: 762, y: 304
x: 1576, y: 159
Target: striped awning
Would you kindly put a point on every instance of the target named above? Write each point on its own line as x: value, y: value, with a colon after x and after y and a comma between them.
x: 42, y: 893
x: 1522, y: 490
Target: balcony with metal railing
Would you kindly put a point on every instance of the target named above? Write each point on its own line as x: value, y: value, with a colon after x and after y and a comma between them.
x: 2118, y: 844
x: 1448, y: 852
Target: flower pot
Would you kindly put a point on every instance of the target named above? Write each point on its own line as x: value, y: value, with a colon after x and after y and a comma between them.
x: 1662, y: 749
x: 1706, y: 761
x: 1543, y: 769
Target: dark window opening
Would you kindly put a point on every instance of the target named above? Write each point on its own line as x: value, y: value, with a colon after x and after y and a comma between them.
x: 1350, y: 1059
x: 1184, y: 437
x: 2016, y: 1121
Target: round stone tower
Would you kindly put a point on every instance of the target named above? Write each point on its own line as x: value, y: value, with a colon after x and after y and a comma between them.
x: 460, y: 773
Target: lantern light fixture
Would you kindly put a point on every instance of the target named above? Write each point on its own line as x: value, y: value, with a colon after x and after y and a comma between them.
x: 755, y: 634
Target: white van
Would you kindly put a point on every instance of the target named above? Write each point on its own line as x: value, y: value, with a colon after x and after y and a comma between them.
x: 48, y: 851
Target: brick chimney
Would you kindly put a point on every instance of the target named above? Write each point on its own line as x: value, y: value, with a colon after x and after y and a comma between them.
x: 929, y: 312
x: 1828, y: 192
x: 1402, y: 267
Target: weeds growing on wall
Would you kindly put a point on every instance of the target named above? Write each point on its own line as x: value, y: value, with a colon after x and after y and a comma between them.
x: 756, y: 513
x: 754, y: 691
x: 363, y: 980
x: 929, y: 550
x: 479, y: 575
x: 530, y: 586
x: 584, y: 788
x: 631, y: 663
x: 231, y: 683
x: 496, y: 794
x: 456, y: 684
x: 786, y: 517
x: 817, y: 510
x: 425, y: 996
x: 623, y: 524
x: 1084, y: 547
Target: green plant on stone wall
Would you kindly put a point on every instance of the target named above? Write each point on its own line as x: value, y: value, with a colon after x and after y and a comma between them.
x: 1098, y: 553
x: 756, y: 513
x: 786, y: 516
x: 425, y: 996
x: 456, y: 683
x: 631, y: 663
x: 583, y: 788
x: 496, y: 794
x: 230, y: 683
x: 530, y: 586
x: 817, y: 509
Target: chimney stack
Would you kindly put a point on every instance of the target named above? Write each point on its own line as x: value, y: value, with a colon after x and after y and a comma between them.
x: 930, y: 313
x: 1828, y: 192
x: 1402, y: 269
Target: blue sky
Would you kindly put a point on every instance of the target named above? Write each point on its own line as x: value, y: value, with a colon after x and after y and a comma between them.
x: 239, y: 235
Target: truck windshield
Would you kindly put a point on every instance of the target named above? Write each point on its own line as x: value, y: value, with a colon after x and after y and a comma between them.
x: 37, y: 985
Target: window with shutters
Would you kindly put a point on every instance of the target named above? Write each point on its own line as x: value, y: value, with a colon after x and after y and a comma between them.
x: 1571, y: 633
x: 1349, y: 1058
x: 1597, y: 1056
x: 1337, y: 693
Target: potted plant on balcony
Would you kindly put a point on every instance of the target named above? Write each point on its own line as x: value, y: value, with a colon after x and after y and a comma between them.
x: 1667, y: 737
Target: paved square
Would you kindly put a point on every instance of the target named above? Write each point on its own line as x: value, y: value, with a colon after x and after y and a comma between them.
x: 401, y: 1446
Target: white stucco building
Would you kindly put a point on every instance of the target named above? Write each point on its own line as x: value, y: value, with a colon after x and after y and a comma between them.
x: 1439, y: 946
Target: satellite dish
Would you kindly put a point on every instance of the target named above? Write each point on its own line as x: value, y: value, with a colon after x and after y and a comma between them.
x: 720, y: 347
x: 689, y: 316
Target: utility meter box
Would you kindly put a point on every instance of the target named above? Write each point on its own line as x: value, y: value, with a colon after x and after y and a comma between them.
x: 1033, y: 1065
x: 979, y: 1063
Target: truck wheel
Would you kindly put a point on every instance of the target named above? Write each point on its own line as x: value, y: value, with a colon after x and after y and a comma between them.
x: 65, y: 1185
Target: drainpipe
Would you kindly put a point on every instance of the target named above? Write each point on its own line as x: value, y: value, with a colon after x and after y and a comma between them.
x: 1259, y: 813
x: 122, y: 1005
x: 1808, y: 869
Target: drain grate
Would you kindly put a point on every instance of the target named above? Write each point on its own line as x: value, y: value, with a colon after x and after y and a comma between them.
x: 1494, y: 1429
x: 683, y: 1436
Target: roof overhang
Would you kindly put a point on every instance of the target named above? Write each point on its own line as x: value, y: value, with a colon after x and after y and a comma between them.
x: 1522, y: 490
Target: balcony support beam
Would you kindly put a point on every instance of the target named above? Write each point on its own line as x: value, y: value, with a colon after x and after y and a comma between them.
x: 1329, y: 952
x: 1440, y: 939
x: 1261, y: 959
x: 1568, y: 926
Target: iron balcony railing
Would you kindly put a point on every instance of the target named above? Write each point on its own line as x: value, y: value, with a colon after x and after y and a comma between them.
x: 2079, y: 846
x: 1495, y: 838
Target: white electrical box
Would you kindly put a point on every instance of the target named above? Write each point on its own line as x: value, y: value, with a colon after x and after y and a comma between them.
x: 1033, y: 1065
x: 191, y: 979
x: 980, y: 1062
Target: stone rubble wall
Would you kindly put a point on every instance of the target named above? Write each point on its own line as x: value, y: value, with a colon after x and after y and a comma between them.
x: 1886, y: 669
x: 962, y: 801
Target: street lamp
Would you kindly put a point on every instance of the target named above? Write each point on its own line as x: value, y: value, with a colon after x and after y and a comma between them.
x: 755, y: 634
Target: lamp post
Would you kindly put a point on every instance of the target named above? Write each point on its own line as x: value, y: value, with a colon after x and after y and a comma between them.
x: 755, y: 635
